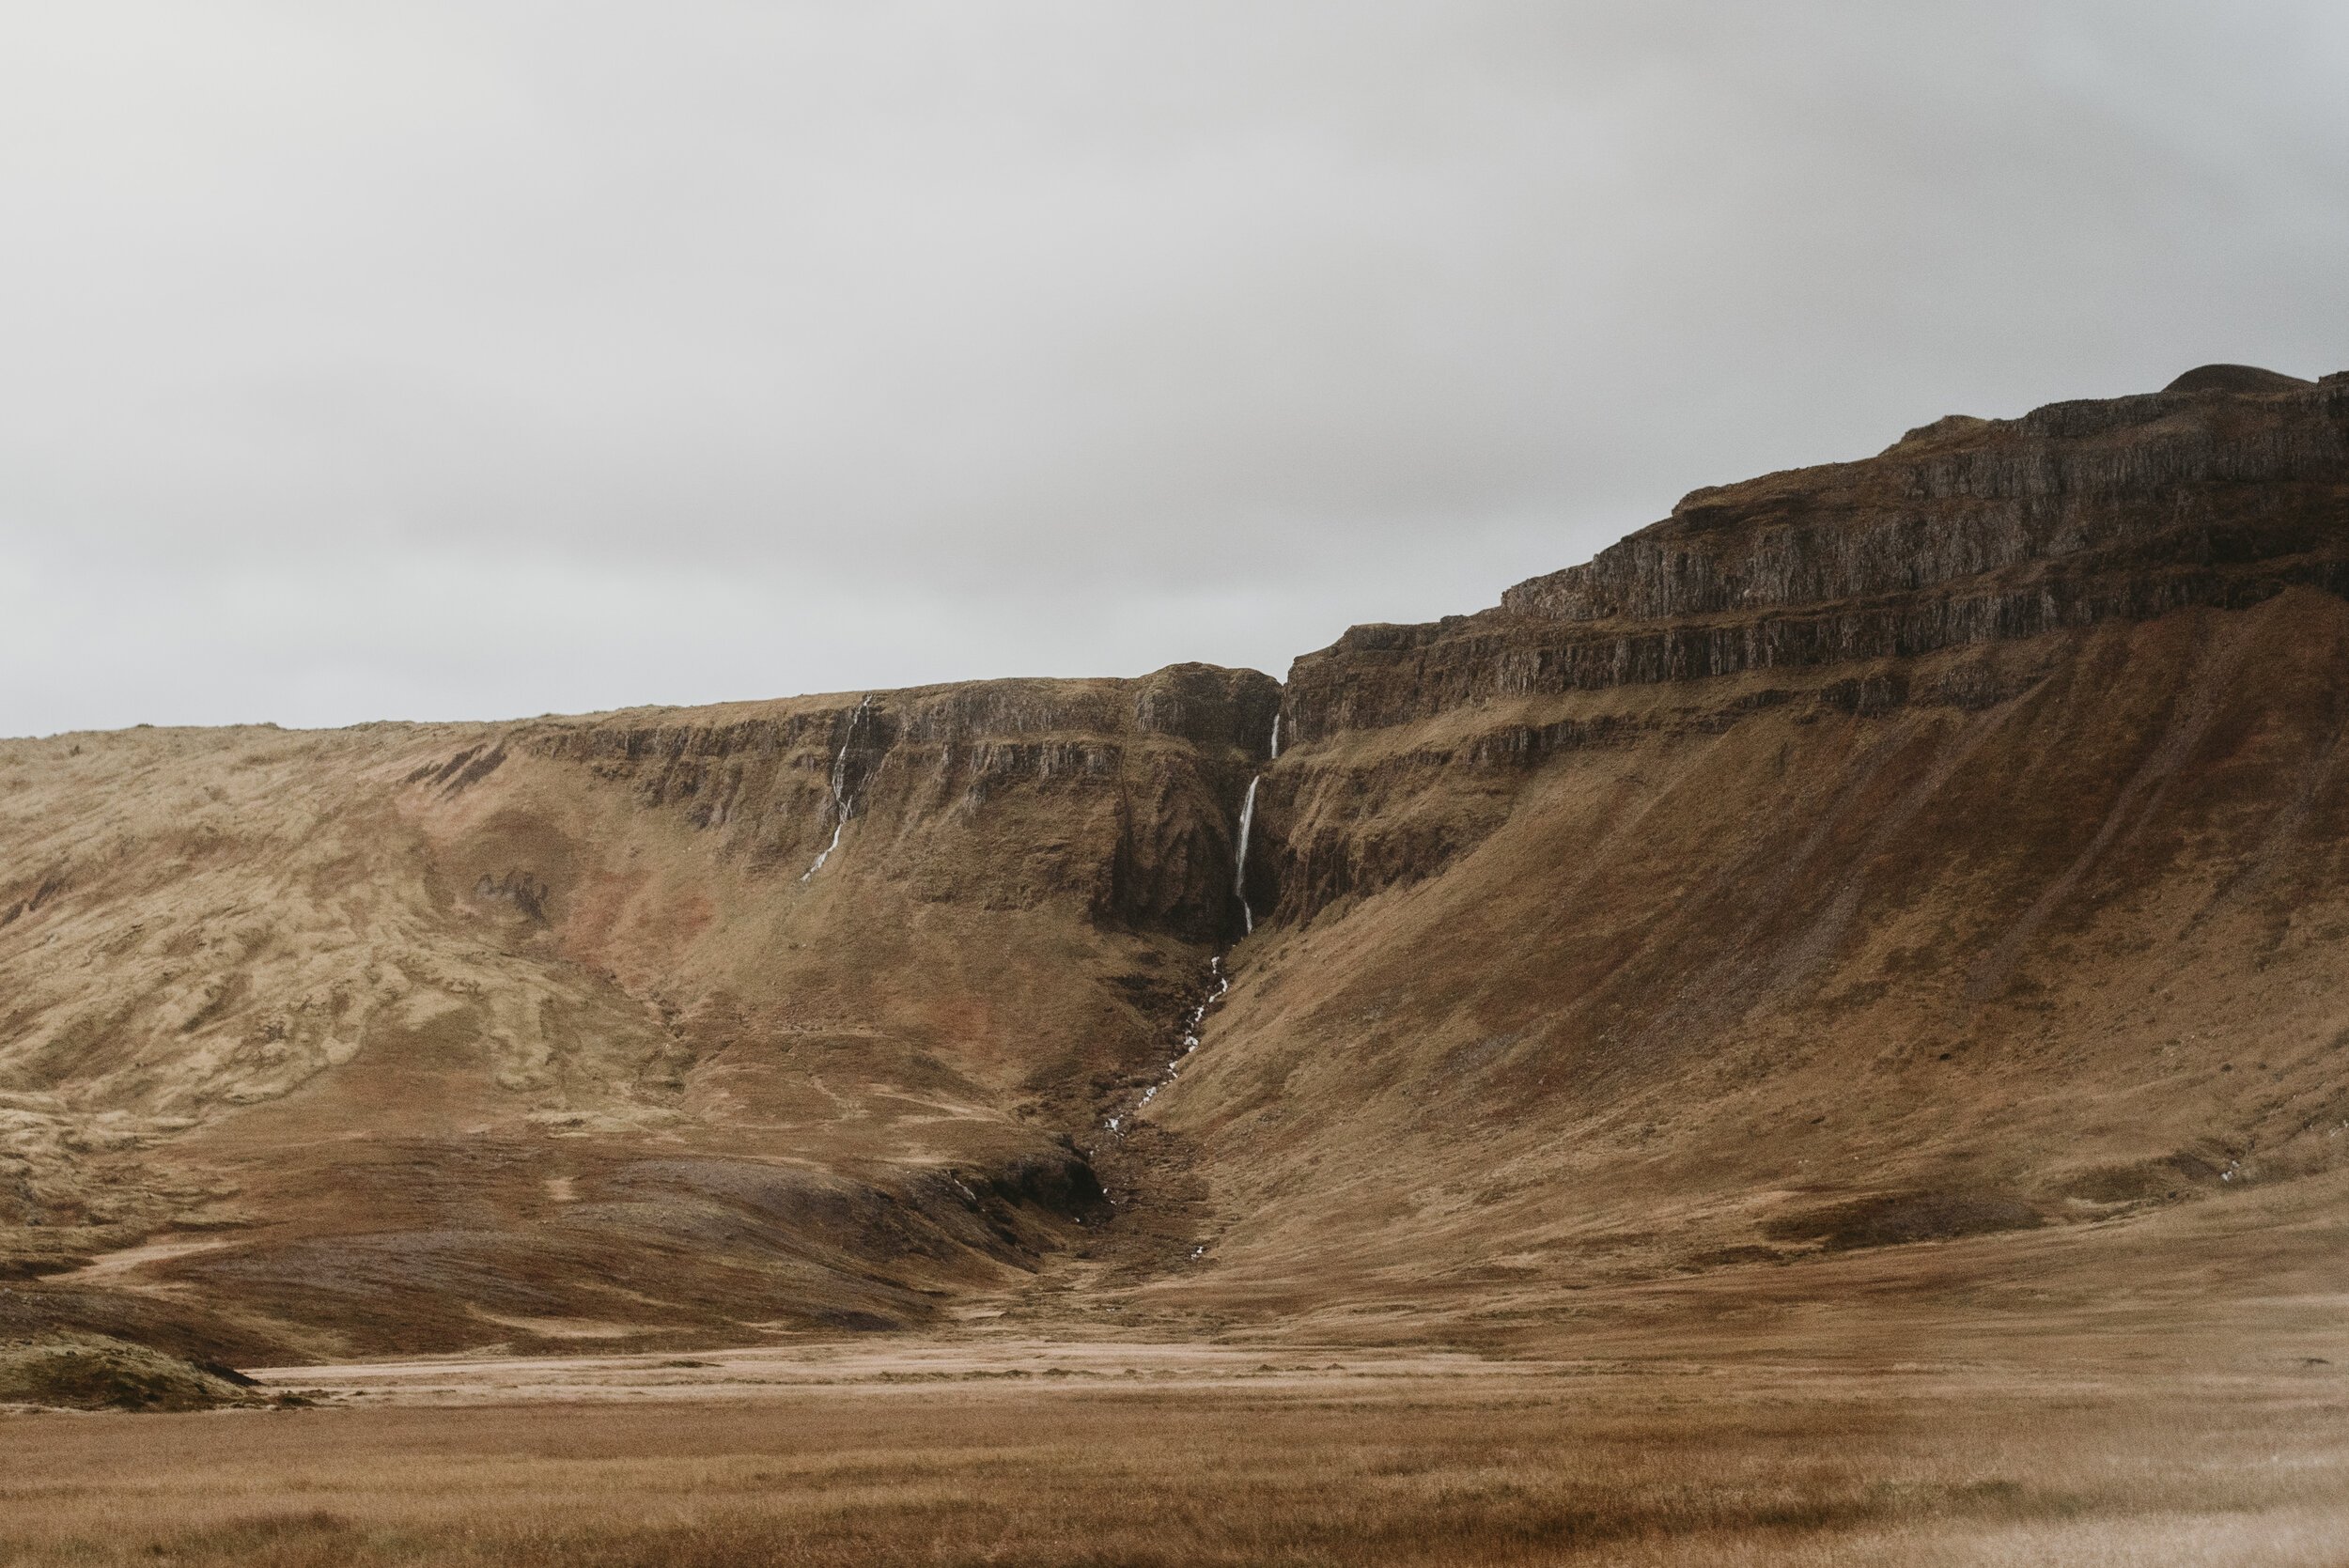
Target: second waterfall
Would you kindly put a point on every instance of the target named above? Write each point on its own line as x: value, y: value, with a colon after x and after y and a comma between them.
x: 1247, y: 821
x: 1240, y: 861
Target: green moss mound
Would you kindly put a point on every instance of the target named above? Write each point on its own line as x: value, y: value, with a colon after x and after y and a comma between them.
x: 90, y: 1371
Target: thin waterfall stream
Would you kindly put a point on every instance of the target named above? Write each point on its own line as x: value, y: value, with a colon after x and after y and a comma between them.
x: 1247, y: 821
x: 1193, y: 1021
x: 842, y: 807
x: 1221, y: 983
x: 1239, y: 860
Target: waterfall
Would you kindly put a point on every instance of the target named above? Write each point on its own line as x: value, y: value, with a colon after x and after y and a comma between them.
x: 1247, y: 820
x: 842, y: 807
x: 1240, y: 861
x: 1192, y: 1022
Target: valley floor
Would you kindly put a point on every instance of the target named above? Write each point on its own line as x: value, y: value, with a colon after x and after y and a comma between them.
x: 1100, y: 1452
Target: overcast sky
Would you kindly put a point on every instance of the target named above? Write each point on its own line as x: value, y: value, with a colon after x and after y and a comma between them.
x: 489, y: 359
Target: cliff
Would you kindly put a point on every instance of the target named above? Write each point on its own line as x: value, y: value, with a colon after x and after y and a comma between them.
x: 1964, y: 532
x: 424, y: 1036
x: 1949, y: 847
x: 2220, y: 493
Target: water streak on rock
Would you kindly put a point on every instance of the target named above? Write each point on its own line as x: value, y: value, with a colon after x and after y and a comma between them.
x: 842, y: 807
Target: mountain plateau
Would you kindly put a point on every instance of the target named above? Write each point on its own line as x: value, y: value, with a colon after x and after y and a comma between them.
x: 1897, y: 892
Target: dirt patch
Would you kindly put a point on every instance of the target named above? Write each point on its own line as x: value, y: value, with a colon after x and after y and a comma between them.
x: 1898, y: 1219
x: 109, y: 1268
x: 2138, y: 1183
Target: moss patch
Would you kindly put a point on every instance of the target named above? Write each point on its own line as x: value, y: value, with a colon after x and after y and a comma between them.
x: 90, y: 1371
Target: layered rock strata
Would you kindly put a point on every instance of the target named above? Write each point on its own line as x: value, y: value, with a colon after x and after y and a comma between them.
x: 1966, y: 531
x: 1821, y: 585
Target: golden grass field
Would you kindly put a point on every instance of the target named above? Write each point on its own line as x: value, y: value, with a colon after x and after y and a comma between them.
x: 1045, y: 1455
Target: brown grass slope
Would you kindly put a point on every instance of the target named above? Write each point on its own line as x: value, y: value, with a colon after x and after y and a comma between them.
x: 1951, y: 846
x: 438, y: 1036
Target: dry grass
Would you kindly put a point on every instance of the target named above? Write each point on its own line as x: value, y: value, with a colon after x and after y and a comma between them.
x: 1533, y: 1465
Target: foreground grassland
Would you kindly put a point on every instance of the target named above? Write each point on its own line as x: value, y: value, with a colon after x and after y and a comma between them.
x: 1110, y: 1454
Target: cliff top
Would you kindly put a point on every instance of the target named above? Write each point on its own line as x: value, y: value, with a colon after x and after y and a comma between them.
x: 1968, y: 496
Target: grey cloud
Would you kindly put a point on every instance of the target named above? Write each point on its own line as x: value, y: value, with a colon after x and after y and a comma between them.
x: 469, y: 359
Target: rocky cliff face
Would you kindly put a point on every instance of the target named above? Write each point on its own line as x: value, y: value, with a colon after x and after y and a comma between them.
x: 1965, y: 532
x: 1948, y: 844
x: 1167, y: 757
x: 2220, y: 493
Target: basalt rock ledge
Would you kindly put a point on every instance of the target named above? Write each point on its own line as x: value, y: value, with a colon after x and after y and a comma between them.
x: 2221, y: 491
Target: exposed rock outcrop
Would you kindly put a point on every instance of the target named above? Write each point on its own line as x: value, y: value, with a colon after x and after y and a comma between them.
x: 2220, y: 493
x: 1819, y: 587
x: 1168, y: 755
